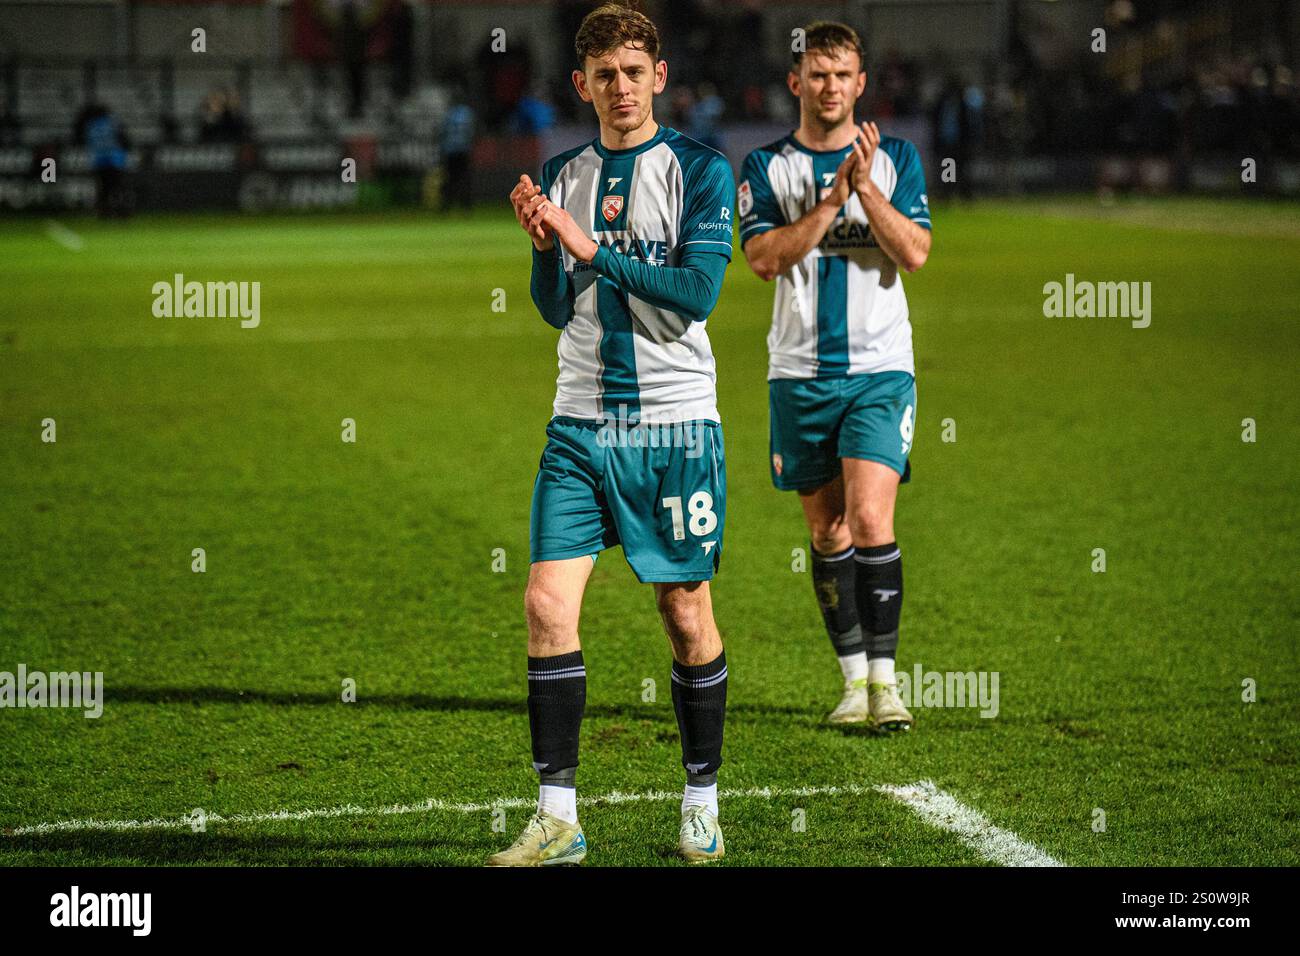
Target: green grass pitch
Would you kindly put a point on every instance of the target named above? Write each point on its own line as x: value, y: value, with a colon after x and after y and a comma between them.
x: 1120, y: 691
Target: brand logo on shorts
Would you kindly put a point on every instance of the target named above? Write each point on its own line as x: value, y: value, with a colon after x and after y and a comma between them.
x: 777, y: 464
x: 611, y: 207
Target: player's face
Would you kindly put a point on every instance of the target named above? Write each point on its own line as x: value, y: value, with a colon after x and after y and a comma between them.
x: 828, y: 84
x: 622, y: 86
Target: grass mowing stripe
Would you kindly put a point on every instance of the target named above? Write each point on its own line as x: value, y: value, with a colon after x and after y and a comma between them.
x: 291, y: 336
x: 945, y: 811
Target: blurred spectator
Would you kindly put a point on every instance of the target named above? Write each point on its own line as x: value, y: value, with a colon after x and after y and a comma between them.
x: 704, y: 116
x: 402, y: 54
x: 169, y: 129
x: 10, y: 128
x: 508, y: 78
x: 894, y: 84
x: 221, y: 120
x: 955, y: 122
x: 534, y: 115
x: 456, y: 144
x: 352, y: 54
x: 106, y: 142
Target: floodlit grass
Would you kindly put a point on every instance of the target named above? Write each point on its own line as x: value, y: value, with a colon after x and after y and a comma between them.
x: 373, y: 561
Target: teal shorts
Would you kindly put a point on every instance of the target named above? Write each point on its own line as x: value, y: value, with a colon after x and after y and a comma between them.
x: 817, y: 421
x: 660, y: 491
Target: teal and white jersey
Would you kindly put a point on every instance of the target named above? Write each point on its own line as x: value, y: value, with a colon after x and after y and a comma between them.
x: 619, y: 353
x: 841, y: 310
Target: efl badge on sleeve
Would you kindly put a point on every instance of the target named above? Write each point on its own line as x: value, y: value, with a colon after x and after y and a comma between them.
x: 611, y: 207
x: 744, y: 198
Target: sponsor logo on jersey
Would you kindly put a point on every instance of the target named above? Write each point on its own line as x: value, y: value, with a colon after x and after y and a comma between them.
x: 647, y: 250
x: 611, y: 207
x: 848, y: 234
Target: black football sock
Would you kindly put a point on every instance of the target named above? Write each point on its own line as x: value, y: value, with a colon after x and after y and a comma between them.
x: 880, y: 597
x: 557, y: 696
x: 834, y: 577
x: 700, y: 701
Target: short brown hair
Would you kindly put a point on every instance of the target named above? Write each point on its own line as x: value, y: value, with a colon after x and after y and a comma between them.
x: 609, y: 27
x: 826, y: 36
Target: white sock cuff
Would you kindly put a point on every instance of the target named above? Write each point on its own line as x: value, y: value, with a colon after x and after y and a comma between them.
x: 701, y: 797
x: 559, y: 802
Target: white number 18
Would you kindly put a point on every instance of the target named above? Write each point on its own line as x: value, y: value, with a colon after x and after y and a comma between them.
x: 700, y: 507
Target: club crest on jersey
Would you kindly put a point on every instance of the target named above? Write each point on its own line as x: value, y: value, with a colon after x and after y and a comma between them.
x: 611, y: 206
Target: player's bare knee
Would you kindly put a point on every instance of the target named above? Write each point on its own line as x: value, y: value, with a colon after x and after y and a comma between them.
x: 549, y: 612
x: 683, y: 612
x: 871, y: 525
x: 680, y: 619
x: 830, y: 537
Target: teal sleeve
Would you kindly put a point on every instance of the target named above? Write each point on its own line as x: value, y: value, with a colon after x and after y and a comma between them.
x: 705, y: 222
x: 552, y: 291
x: 909, y: 195
x: 756, y: 203
x: 690, y: 289
x: 551, y: 286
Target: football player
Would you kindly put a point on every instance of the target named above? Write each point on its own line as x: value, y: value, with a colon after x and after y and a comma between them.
x: 631, y: 235
x: 834, y: 212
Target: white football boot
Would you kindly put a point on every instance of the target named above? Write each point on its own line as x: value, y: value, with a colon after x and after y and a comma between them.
x: 546, y: 841
x: 887, y: 710
x: 855, y: 706
x: 700, y: 838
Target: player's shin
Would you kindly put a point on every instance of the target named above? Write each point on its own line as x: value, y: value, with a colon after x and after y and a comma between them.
x: 834, y: 581
x: 700, y: 702
x: 557, y: 696
x: 880, y: 603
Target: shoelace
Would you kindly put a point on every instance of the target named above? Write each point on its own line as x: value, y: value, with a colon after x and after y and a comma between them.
x: 695, y: 817
x: 533, y: 824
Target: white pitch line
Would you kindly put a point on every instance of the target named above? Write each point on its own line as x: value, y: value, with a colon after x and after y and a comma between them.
x: 64, y: 236
x: 934, y: 806
x: 348, y: 810
x: 945, y: 811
